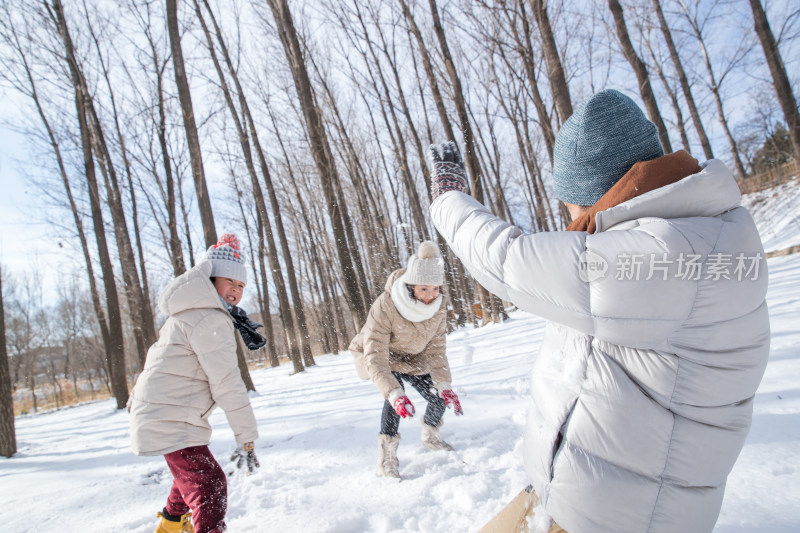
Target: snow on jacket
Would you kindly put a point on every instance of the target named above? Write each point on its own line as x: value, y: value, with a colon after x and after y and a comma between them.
x: 189, y: 371
x: 389, y: 343
x: 642, y: 393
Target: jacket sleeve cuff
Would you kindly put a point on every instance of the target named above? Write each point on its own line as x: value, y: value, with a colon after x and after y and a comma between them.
x: 443, y: 385
x: 394, y: 394
x: 248, y: 436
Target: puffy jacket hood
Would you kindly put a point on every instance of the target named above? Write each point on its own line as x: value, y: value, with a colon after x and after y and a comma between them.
x: 191, y: 290
x: 706, y: 194
x: 392, y: 278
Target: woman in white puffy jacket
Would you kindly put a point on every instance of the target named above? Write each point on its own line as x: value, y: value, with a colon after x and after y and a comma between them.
x: 658, y: 331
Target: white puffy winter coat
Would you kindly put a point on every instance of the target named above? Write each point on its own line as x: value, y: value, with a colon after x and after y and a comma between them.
x: 643, y: 389
x: 189, y: 371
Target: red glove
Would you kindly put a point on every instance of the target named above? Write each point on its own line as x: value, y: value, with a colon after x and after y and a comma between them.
x: 404, y: 407
x: 451, y: 399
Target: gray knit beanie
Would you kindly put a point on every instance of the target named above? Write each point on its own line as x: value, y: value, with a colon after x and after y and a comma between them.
x: 227, y: 259
x: 426, y: 267
x: 598, y: 144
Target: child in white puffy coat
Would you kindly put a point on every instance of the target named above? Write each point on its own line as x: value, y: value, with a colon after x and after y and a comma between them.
x: 189, y: 371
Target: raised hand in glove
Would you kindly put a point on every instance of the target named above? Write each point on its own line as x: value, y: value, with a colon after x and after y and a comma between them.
x: 245, y: 454
x: 451, y: 400
x: 447, y: 170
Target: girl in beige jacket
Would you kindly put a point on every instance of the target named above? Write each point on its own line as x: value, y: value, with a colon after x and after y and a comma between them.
x: 404, y: 340
x: 189, y: 371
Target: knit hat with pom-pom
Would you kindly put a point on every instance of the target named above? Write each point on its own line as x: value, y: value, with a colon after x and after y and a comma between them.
x: 227, y: 259
x: 426, y: 267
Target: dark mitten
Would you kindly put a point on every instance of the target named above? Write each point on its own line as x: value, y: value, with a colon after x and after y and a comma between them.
x: 246, y: 454
x: 447, y: 170
x: 247, y: 328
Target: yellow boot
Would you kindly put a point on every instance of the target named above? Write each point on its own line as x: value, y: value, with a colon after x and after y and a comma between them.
x: 174, y: 524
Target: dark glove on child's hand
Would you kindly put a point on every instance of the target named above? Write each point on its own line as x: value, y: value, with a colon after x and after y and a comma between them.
x: 246, y: 454
x: 447, y: 170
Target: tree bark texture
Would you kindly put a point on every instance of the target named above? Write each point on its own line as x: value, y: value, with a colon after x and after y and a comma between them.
x: 190, y: 125
x: 555, y: 71
x: 685, y: 87
x: 8, y: 435
x: 640, y: 69
x: 258, y: 195
x: 321, y: 153
x: 115, y: 351
x: 780, y: 80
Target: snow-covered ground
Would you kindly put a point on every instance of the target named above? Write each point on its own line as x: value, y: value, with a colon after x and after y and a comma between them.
x: 777, y: 214
x: 75, y: 472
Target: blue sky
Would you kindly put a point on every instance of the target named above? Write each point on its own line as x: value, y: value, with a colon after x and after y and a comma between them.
x: 25, y: 243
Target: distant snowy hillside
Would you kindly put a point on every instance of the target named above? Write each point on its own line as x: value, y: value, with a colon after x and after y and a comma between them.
x: 777, y: 215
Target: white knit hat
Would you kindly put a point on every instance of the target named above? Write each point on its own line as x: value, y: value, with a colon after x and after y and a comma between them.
x: 426, y: 267
x: 227, y: 259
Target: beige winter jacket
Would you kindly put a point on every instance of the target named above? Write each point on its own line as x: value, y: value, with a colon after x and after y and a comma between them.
x: 389, y: 343
x: 189, y: 371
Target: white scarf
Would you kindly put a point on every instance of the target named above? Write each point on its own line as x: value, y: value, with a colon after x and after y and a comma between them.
x: 410, y: 308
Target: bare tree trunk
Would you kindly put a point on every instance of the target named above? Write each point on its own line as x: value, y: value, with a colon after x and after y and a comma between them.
x: 186, y: 227
x: 115, y: 351
x: 428, y: 66
x: 377, y: 226
x: 321, y: 151
x: 471, y: 159
x: 259, y: 271
x: 687, y: 90
x: 258, y: 196
x: 392, y: 61
x: 322, y: 259
x: 241, y: 360
x: 136, y: 284
x: 34, y: 95
x: 267, y: 317
x: 8, y: 435
x: 174, y: 241
x: 714, y: 86
x: 141, y: 313
x: 404, y: 104
x: 316, y: 278
x: 458, y: 305
x: 555, y: 72
x: 394, y: 129
x: 490, y: 160
x: 294, y: 289
x: 190, y: 125
x: 640, y: 69
x: 525, y: 42
x: 780, y: 80
x: 397, y: 137
x: 673, y: 97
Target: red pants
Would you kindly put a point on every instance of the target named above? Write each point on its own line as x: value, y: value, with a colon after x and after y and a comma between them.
x: 199, y: 483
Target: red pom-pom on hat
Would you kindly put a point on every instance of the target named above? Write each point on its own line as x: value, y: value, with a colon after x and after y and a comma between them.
x: 230, y: 239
